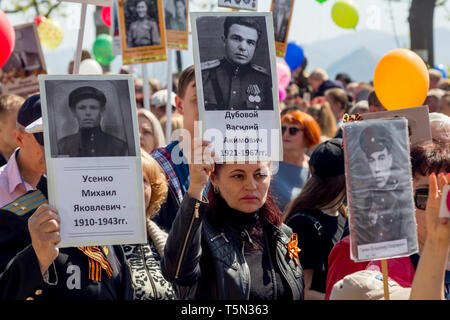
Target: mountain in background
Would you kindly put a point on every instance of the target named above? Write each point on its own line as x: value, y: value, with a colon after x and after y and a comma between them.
x: 359, y: 52
x: 356, y: 53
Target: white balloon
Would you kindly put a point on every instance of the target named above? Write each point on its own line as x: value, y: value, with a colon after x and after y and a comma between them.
x: 90, y: 66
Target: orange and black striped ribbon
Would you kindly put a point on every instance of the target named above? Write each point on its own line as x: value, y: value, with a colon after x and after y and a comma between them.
x: 97, y: 262
x: 350, y: 118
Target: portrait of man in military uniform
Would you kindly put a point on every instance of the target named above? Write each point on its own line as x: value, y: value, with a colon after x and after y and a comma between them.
x: 385, y: 218
x: 233, y: 81
x: 87, y: 105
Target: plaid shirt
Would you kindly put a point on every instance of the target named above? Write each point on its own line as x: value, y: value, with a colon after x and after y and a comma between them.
x: 163, y: 156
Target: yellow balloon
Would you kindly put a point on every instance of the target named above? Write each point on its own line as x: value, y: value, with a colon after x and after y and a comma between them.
x: 401, y: 80
x: 50, y: 33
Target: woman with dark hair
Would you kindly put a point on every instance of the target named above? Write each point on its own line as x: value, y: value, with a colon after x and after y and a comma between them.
x: 233, y: 247
x: 318, y: 214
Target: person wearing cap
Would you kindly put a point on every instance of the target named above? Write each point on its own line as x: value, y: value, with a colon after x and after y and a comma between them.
x: 234, y: 82
x: 318, y: 214
x: 88, y: 106
x: 32, y: 267
x: 27, y: 164
x: 158, y: 103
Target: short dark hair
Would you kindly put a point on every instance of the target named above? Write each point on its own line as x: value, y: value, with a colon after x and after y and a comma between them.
x: 243, y: 21
x: 343, y: 77
x: 185, y: 78
x: 86, y: 92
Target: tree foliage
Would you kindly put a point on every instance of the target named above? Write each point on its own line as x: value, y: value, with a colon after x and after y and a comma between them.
x: 44, y: 8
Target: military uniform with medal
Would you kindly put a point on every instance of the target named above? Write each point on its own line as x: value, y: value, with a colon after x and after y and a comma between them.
x: 228, y: 86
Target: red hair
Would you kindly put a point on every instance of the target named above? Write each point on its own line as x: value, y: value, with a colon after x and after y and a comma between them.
x: 311, y: 129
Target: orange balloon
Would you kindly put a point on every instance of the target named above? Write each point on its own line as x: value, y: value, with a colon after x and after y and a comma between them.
x: 401, y: 80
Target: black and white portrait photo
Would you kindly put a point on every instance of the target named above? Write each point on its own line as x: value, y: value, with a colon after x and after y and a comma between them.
x: 235, y: 62
x: 381, y: 205
x: 142, y: 23
x: 90, y: 118
x: 281, y: 14
x: 175, y: 14
x: 239, y: 4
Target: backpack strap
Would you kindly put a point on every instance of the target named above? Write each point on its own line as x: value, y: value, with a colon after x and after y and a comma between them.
x: 316, y: 223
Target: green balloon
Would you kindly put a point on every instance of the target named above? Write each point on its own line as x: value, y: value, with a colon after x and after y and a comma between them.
x: 102, y: 49
x: 321, y: 1
x: 345, y: 15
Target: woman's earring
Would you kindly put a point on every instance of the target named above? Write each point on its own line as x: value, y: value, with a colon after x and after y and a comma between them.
x: 216, y: 190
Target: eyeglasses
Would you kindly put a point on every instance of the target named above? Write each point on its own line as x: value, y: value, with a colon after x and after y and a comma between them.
x: 421, y: 198
x: 292, y: 130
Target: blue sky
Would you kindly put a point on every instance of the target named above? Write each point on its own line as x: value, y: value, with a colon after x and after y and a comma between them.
x: 311, y: 21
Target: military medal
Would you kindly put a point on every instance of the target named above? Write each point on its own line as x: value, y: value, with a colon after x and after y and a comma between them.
x: 253, y: 93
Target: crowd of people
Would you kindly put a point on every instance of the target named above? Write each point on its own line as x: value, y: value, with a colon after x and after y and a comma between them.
x: 231, y: 231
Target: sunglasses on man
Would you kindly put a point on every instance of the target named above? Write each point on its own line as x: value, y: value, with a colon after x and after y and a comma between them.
x: 421, y: 198
x: 292, y: 130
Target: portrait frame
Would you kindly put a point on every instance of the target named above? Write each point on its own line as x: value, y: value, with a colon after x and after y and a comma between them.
x: 415, y: 115
x: 379, y: 189
x: 177, y: 39
x: 104, y: 203
x: 281, y: 38
x: 253, y: 120
x: 25, y: 80
x: 141, y: 53
x: 251, y: 5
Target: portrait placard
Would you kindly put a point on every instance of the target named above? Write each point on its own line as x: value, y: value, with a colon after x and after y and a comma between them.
x: 19, y: 75
x: 237, y: 89
x: 379, y: 189
x: 142, y: 31
x: 93, y: 158
x: 176, y: 18
x: 251, y: 5
x: 282, y: 15
x: 101, y: 3
x: 418, y: 121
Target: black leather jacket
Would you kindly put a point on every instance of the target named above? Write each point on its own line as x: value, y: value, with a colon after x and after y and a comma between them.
x: 208, y: 263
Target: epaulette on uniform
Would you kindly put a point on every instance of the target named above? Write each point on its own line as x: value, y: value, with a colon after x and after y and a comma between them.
x: 210, y: 64
x: 259, y: 68
x: 26, y: 203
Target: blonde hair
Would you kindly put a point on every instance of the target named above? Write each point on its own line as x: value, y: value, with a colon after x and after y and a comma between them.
x: 319, y: 74
x: 325, y: 118
x: 177, y: 122
x: 158, y: 133
x: 153, y: 173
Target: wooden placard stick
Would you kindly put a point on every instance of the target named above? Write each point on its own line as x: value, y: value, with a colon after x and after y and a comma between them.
x: 77, y: 61
x: 169, y: 98
x: 145, y: 86
x: 384, y: 269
